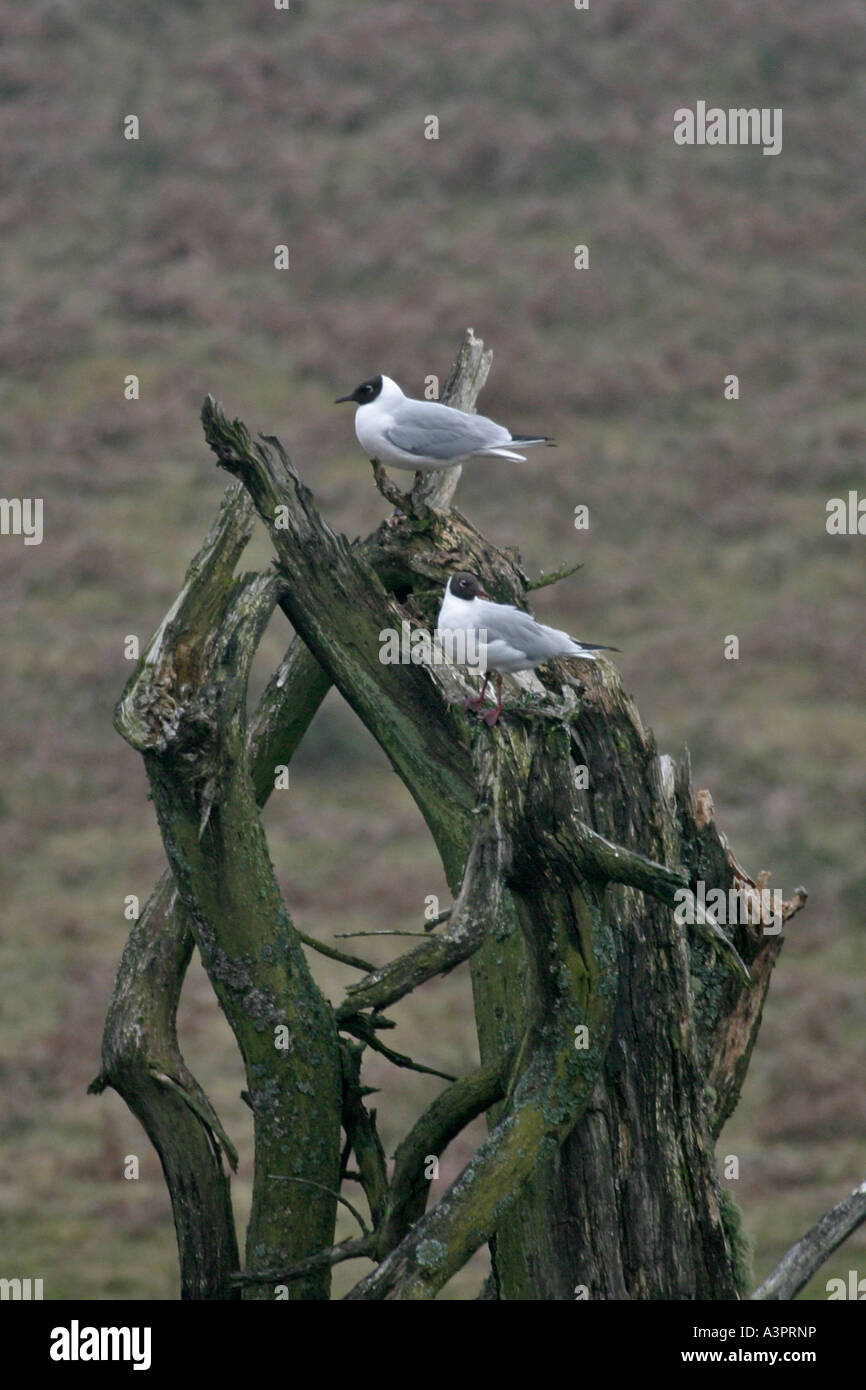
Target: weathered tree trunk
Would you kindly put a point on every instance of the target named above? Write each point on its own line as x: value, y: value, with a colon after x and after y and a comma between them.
x: 613, y: 1041
x: 629, y: 1207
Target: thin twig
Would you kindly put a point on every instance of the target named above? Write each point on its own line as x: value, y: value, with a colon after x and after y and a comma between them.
x: 431, y: 925
x: 356, y: 1248
x: 356, y: 1026
x: 333, y: 954
x: 401, y: 500
x: 308, y: 1182
x: 438, y: 919
x: 362, y: 1137
x: 440, y: 953
x: 544, y: 580
x: 345, y: 935
x: 804, y: 1259
x: 204, y: 1111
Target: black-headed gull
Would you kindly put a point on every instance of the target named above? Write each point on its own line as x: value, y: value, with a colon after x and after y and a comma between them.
x: 404, y: 433
x: 514, y: 640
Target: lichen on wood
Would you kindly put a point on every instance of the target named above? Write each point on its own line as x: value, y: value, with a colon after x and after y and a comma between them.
x: 614, y: 1043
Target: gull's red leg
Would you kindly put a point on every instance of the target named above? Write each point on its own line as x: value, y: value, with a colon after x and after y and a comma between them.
x: 490, y: 716
x: 476, y: 704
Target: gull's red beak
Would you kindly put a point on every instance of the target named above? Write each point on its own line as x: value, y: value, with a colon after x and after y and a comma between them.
x: 482, y: 593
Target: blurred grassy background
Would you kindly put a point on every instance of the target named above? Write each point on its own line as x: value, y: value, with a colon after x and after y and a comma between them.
x: 707, y: 517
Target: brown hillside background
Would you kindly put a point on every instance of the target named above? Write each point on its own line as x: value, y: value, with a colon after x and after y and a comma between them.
x: 155, y: 257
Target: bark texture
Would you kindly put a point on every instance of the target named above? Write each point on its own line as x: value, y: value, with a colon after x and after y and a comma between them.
x: 614, y: 1042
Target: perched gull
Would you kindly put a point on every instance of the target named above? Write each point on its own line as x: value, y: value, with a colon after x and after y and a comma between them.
x: 425, y: 435
x: 514, y: 641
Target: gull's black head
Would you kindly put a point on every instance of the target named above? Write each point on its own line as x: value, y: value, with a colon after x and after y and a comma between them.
x: 365, y: 393
x: 463, y: 585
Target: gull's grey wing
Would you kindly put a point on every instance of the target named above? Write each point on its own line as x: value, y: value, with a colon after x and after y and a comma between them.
x: 522, y: 632
x: 436, y: 431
